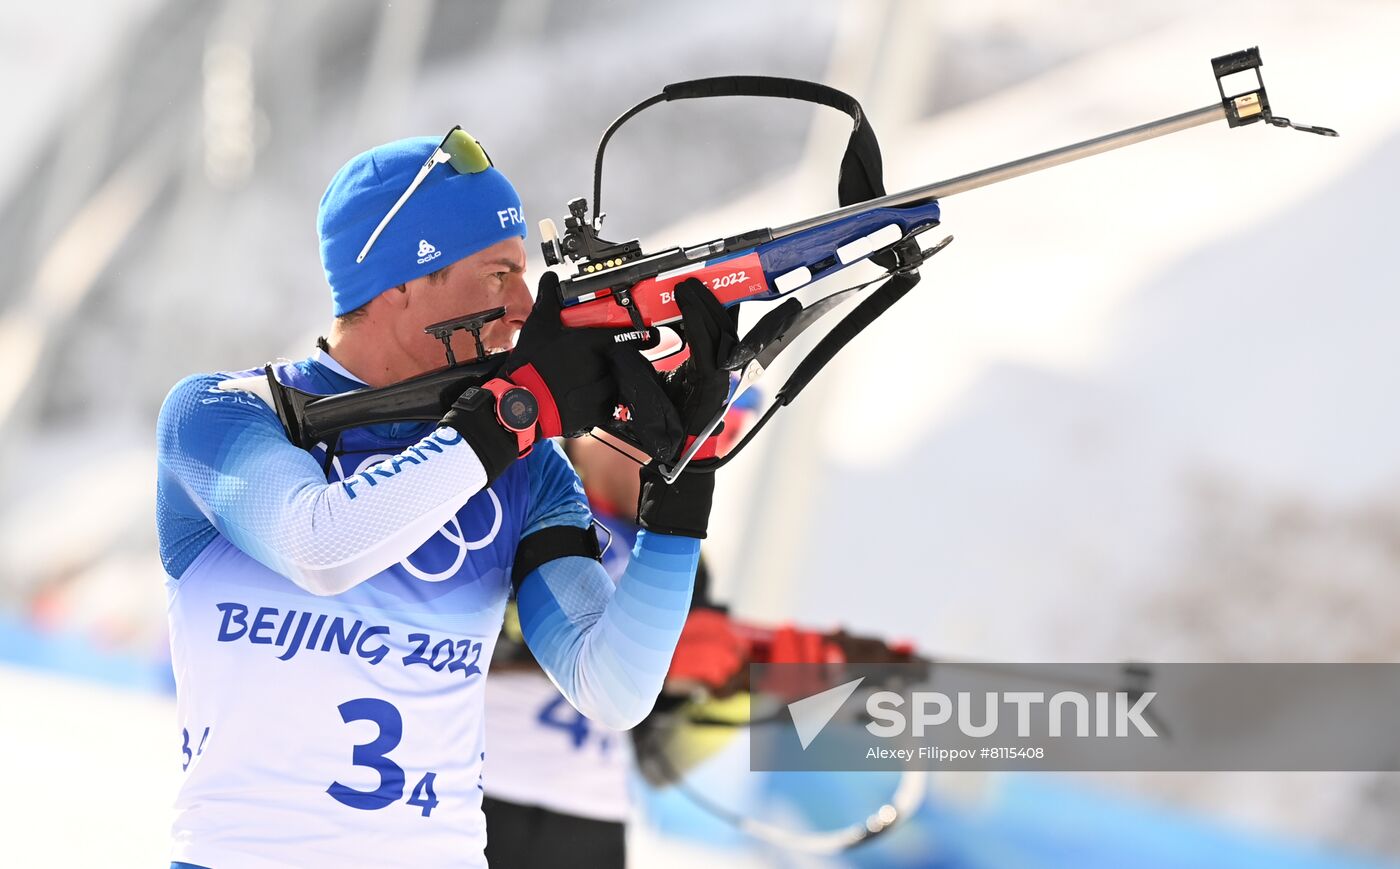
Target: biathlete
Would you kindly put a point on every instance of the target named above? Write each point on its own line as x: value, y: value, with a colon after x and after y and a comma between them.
x: 333, y: 617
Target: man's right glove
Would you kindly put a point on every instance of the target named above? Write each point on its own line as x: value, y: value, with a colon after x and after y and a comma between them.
x: 573, y: 373
x: 698, y: 389
x: 483, y: 416
x: 571, y: 377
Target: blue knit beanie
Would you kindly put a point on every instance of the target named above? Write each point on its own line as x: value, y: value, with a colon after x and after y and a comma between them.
x: 449, y: 216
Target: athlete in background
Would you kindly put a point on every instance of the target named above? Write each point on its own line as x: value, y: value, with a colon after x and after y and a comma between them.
x: 333, y: 618
x: 557, y: 791
x: 557, y: 785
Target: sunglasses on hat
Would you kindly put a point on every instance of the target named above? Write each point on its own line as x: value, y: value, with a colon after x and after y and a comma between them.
x: 457, y: 149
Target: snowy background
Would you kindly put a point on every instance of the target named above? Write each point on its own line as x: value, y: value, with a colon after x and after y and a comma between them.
x: 1143, y: 407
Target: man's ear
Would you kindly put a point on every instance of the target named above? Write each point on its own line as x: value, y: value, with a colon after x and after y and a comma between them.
x: 394, y: 297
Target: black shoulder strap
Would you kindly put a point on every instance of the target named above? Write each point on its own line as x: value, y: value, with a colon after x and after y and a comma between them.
x: 862, y: 171
x: 548, y: 544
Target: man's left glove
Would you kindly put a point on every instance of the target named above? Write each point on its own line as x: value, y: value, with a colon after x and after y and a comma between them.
x: 699, y: 389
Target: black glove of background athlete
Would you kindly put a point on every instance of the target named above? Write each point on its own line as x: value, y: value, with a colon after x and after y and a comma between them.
x: 698, y: 390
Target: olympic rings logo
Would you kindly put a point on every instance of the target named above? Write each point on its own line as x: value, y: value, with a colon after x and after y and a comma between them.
x: 451, y: 532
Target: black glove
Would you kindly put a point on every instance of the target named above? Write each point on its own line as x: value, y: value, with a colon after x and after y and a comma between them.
x: 700, y: 386
x: 698, y: 389
x: 473, y: 416
x: 681, y: 508
x: 573, y: 373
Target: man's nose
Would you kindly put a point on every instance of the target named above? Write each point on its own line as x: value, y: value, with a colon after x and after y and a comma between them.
x: 518, y: 301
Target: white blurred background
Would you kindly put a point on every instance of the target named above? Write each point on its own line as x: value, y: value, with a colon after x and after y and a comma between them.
x: 1143, y: 407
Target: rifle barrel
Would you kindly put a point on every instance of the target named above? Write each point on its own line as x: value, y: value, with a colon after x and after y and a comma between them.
x: 1016, y: 168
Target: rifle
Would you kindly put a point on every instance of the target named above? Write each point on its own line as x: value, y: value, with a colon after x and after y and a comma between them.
x: 667, y: 745
x: 618, y: 285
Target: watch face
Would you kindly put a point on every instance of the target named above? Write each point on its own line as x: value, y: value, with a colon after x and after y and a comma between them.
x: 518, y: 408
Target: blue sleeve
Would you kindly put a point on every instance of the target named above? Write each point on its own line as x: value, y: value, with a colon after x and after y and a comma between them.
x: 607, y: 647
x: 222, y: 457
x: 556, y: 493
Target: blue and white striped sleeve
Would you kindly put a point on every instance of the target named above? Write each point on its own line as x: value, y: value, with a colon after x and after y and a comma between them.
x: 607, y: 648
x: 223, y: 455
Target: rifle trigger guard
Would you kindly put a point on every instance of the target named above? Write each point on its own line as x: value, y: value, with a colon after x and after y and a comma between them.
x: 624, y: 299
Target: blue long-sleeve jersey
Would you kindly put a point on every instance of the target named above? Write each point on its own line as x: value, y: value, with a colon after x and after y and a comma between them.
x: 331, y: 633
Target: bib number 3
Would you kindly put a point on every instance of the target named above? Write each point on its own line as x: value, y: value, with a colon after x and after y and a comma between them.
x: 374, y: 754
